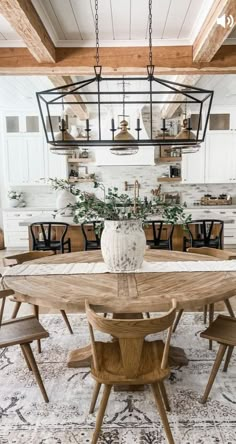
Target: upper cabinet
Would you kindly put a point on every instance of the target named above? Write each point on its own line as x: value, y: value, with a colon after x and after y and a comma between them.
x: 193, y: 166
x: 23, y: 124
x: 220, y: 157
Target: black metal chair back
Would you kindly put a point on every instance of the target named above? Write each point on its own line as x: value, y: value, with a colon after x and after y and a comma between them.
x: 92, y: 235
x: 47, y: 241
x: 204, y: 233
x: 158, y: 228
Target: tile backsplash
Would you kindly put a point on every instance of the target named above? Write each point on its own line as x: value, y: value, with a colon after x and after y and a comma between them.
x: 44, y: 196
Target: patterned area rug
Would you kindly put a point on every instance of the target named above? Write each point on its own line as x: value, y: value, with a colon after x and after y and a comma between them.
x: 131, y: 418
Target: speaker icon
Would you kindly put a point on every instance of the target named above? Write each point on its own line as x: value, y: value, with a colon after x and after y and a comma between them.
x: 225, y: 21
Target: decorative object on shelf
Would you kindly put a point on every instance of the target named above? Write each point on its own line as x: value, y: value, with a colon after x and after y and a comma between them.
x: 84, y: 154
x: 16, y: 199
x: 123, y: 240
x: 151, y: 91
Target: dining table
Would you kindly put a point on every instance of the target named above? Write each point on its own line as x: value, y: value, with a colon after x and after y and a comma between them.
x: 122, y: 294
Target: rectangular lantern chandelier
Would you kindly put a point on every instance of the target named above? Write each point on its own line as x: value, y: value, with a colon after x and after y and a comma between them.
x: 108, y: 97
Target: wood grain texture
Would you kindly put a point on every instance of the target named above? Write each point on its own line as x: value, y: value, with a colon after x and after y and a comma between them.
x: 212, y: 35
x: 125, y: 293
x: 23, y: 17
x: 79, y: 108
x: 117, y: 61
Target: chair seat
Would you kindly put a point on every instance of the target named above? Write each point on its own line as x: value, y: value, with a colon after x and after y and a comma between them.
x: 109, y: 359
x: 52, y: 246
x: 20, y: 331
x: 222, y: 330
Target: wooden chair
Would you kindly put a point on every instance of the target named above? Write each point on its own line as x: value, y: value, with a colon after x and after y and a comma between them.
x: 18, y: 259
x: 47, y: 231
x: 130, y: 360
x: 92, y: 240
x: 22, y: 331
x: 204, y: 233
x: 157, y: 241
x: 222, y: 330
x: 220, y: 254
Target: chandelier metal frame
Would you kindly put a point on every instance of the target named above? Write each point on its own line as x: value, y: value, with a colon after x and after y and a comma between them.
x: 154, y: 88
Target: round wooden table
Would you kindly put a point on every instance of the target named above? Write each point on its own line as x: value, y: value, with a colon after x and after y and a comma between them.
x: 123, y: 292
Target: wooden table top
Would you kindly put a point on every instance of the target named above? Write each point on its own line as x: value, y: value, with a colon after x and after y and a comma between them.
x: 125, y: 292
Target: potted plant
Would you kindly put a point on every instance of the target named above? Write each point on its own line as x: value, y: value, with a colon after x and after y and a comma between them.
x: 15, y: 198
x: 65, y: 196
x: 123, y: 240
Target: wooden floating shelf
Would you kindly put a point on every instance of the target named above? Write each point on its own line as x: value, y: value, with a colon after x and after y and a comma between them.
x: 79, y: 160
x: 169, y: 179
x: 81, y: 180
x: 169, y: 159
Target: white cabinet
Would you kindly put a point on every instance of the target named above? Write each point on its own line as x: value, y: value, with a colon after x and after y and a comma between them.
x: 220, y: 157
x: 193, y: 166
x: 16, y: 236
x: 22, y: 124
x: 25, y: 159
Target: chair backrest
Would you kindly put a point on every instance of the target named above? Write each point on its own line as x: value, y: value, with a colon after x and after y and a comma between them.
x: 206, y: 228
x: 20, y: 258
x: 130, y: 334
x: 220, y: 254
x: 91, y: 232
x: 47, y: 230
x: 157, y: 230
x: 3, y: 295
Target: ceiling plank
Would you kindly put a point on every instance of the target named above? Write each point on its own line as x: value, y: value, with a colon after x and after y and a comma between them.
x: 212, y: 35
x: 23, y: 17
x: 117, y: 61
x: 79, y: 108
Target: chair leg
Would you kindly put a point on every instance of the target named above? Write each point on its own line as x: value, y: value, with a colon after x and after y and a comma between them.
x: 36, y: 314
x: 164, y: 395
x: 26, y: 358
x: 16, y: 309
x: 228, y: 357
x: 67, y: 322
x: 35, y: 370
x: 211, y: 319
x: 101, y: 412
x: 178, y: 317
x: 95, y: 397
x: 229, y: 308
x: 162, y: 412
x: 215, y: 368
x: 205, y: 314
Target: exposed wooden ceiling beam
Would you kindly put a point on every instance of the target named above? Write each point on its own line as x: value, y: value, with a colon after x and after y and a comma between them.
x: 23, y: 17
x: 169, y: 109
x: 169, y: 60
x: 212, y: 35
x: 79, y: 108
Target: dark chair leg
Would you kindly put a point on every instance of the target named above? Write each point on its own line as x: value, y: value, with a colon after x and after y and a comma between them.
x: 36, y: 314
x: 211, y: 319
x: 228, y: 357
x: 178, y: 317
x: 31, y: 361
x: 64, y: 315
x: 16, y: 309
x: 229, y: 308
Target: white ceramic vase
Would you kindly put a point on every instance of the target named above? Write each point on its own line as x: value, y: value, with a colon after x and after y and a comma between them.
x: 123, y: 245
x: 14, y: 203
x: 64, y: 198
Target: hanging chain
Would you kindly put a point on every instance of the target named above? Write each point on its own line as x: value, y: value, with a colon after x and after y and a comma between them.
x: 150, y: 32
x: 97, y: 32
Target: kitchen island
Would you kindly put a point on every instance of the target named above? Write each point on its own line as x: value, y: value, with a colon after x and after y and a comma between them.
x: 76, y: 236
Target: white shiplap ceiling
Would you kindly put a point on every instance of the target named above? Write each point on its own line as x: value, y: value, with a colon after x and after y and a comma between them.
x: 121, y: 22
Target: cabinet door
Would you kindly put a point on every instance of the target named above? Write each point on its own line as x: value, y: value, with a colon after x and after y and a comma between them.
x: 56, y: 165
x: 193, y: 166
x: 36, y: 160
x: 17, y: 160
x: 220, y: 157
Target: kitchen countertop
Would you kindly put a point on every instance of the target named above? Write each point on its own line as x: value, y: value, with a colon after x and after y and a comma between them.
x: 49, y: 209
x: 69, y: 219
